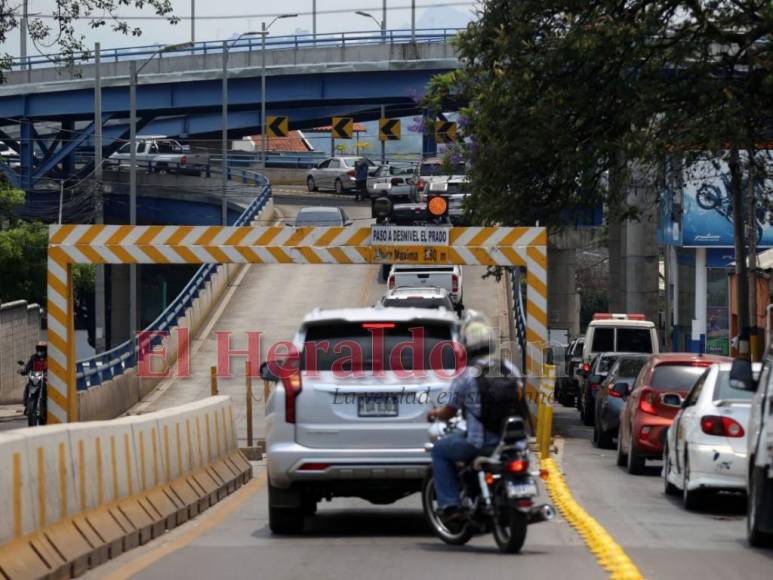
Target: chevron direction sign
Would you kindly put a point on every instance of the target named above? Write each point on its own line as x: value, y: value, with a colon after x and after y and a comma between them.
x: 389, y: 129
x: 445, y: 131
x: 343, y: 127
x: 277, y: 126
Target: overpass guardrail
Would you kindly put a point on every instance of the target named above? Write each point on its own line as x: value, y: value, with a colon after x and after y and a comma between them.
x: 103, y: 367
x: 247, y: 44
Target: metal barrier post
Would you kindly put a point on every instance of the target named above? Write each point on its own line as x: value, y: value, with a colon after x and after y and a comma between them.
x: 248, y: 373
x: 213, y: 381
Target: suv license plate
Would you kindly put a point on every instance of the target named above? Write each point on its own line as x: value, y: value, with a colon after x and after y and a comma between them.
x: 377, y: 406
x: 521, y: 489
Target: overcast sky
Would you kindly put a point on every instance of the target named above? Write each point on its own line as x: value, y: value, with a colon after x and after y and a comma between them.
x: 253, y: 12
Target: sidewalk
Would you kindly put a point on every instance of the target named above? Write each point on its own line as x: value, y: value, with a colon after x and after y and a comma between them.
x: 11, y: 412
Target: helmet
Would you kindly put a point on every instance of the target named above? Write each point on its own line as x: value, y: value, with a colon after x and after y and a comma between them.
x: 478, y: 335
x: 41, y: 348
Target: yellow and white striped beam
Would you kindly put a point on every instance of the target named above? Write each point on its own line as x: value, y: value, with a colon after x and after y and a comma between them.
x: 120, y: 244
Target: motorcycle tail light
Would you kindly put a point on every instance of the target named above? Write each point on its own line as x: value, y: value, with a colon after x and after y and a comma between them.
x: 489, y: 479
x: 517, y: 466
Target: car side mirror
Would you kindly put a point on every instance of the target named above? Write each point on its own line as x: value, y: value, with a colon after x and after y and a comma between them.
x: 348, y: 223
x: 741, y: 376
x: 266, y: 374
x: 671, y: 400
x: 20, y: 362
x: 621, y: 389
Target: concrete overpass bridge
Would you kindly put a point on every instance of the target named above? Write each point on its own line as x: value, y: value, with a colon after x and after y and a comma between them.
x: 47, y: 113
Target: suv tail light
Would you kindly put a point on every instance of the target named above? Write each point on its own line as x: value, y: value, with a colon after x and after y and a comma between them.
x: 350, y: 173
x: 391, y: 283
x: 647, y: 401
x: 184, y: 160
x: 585, y: 367
x: 396, y: 181
x: 721, y: 426
x: 291, y: 379
x: 454, y: 283
x: 420, y: 185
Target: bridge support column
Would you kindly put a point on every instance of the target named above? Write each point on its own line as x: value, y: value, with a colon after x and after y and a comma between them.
x: 563, y: 300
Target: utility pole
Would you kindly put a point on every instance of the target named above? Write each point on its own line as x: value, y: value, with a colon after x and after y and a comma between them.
x: 383, y: 143
x: 224, y: 141
x: 99, y: 286
x: 413, y: 21
x: 741, y: 274
x: 193, y: 21
x: 755, y: 342
x: 23, y: 36
x: 383, y: 19
x: 132, y: 191
x: 314, y: 19
x: 263, y: 127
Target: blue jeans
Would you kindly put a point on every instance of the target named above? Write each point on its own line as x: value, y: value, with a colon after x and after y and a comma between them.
x: 445, y: 454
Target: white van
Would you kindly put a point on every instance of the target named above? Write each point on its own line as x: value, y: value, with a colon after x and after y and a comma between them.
x: 619, y: 333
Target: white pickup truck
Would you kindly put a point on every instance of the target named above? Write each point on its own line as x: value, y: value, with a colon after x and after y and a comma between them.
x: 162, y: 155
x: 447, y: 277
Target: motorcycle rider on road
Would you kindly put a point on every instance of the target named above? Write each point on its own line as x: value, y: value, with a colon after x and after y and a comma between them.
x: 465, y: 395
x: 37, y: 362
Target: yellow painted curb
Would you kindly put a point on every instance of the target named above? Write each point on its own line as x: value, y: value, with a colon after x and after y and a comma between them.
x: 608, y: 553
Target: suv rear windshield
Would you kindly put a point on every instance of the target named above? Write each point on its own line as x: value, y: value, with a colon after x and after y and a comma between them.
x: 605, y: 363
x: 603, y: 340
x: 634, y: 340
x: 418, y: 302
x: 350, y: 346
x: 675, y: 377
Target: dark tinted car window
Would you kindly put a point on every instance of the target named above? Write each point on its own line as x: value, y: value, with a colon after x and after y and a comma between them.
x: 723, y: 390
x: 630, y: 367
x: 675, y: 377
x: 345, y: 346
x: 418, y: 303
x: 634, y: 340
x: 603, y: 340
x: 605, y: 363
x: 320, y: 218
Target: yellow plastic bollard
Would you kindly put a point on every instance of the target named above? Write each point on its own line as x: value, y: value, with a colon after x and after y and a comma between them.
x: 547, y: 432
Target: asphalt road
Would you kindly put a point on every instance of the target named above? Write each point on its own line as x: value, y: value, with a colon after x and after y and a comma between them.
x: 663, y: 539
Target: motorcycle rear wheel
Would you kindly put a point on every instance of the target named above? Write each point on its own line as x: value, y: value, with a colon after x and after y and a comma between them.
x: 509, y: 529
x: 457, y: 534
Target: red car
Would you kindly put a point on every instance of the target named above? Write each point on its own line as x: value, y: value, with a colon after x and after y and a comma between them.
x: 661, y: 386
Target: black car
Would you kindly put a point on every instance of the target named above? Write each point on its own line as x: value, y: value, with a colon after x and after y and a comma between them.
x: 599, y: 368
x: 611, y: 397
x: 568, y: 382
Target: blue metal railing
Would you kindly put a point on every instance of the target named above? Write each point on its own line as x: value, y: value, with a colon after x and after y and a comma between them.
x: 104, y: 367
x: 249, y: 44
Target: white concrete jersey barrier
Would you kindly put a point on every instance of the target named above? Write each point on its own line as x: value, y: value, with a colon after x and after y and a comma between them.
x: 73, y: 496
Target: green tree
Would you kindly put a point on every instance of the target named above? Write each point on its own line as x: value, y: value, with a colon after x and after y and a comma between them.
x: 563, y: 101
x: 23, y: 262
x: 57, y: 27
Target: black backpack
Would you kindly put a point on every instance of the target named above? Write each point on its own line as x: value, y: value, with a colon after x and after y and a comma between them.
x: 499, y: 396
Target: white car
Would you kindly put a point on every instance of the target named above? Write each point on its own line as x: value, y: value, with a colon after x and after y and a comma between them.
x: 705, y: 447
x: 446, y: 277
x: 609, y: 332
x: 348, y: 417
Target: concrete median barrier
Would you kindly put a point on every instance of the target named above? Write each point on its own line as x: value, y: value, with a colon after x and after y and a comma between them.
x: 73, y: 496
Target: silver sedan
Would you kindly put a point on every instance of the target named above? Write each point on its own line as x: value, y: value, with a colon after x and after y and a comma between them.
x: 336, y: 174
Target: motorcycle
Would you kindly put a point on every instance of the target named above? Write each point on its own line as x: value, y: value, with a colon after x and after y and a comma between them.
x: 37, y: 397
x: 712, y: 197
x: 497, y: 491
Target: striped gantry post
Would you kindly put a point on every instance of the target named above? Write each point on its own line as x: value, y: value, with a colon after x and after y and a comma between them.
x: 118, y: 244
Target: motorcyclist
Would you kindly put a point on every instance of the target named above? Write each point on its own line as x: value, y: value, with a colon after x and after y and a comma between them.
x: 37, y: 362
x: 465, y: 396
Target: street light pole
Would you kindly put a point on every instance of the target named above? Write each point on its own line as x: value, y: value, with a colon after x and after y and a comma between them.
x: 99, y: 282
x: 263, y: 127
x: 224, y: 141
x: 383, y: 19
x: 413, y: 21
x: 132, y: 191
x: 193, y: 21
x: 381, y: 24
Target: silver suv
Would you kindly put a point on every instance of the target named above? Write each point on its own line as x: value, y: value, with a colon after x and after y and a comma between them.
x: 348, y: 414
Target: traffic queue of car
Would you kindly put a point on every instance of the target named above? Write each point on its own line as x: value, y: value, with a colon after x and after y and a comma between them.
x: 711, y: 430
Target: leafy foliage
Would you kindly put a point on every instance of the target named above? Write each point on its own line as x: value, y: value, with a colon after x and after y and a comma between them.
x: 57, y: 28
x: 560, y: 96
x: 23, y: 262
x: 10, y: 199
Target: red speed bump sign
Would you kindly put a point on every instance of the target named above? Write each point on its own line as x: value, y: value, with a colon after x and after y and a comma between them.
x: 437, y: 205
